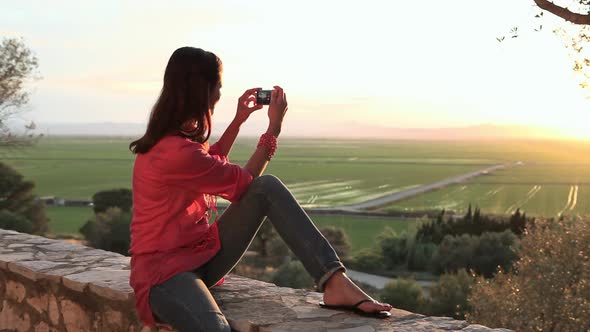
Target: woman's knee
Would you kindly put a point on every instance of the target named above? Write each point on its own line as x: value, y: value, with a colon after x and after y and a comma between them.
x: 267, y: 181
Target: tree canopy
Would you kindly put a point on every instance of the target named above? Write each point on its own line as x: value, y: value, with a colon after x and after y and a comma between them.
x: 17, y: 67
x: 19, y: 210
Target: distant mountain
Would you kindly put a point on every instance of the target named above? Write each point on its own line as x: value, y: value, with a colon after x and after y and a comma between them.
x: 341, y: 130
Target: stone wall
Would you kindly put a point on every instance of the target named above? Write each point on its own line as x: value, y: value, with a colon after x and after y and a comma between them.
x: 50, y: 285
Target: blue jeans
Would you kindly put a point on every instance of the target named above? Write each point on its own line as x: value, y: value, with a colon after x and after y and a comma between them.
x: 184, y: 300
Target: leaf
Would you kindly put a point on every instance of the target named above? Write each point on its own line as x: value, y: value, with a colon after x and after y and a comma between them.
x: 500, y: 39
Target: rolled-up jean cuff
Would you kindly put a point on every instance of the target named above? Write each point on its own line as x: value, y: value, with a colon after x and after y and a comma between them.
x: 333, y: 267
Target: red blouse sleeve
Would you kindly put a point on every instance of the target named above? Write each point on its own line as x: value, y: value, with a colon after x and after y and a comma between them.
x: 215, y: 150
x: 190, y: 165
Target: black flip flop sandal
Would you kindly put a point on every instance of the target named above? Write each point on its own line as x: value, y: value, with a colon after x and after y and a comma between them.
x: 355, y: 308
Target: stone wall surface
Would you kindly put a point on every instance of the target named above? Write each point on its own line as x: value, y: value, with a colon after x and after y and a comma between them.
x: 50, y: 285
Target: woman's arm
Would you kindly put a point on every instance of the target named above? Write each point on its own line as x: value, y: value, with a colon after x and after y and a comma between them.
x: 228, y: 138
x: 276, y: 112
x: 242, y: 113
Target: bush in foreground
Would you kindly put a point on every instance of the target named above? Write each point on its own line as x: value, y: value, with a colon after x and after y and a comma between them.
x: 448, y: 297
x: 404, y: 293
x: 548, y: 289
x: 293, y: 274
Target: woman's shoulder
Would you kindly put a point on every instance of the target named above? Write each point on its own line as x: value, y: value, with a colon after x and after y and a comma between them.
x: 177, y: 141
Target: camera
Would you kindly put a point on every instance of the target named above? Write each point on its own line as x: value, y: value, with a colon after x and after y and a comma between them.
x: 263, y: 97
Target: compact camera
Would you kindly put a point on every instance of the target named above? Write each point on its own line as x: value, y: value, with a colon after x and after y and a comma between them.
x: 263, y: 97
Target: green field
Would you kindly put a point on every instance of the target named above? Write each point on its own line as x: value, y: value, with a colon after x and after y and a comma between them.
x: 67, y: 219
x: 552, y: 177
x: 538, y: 189
x: 320, y: 173
x: 362, y: 231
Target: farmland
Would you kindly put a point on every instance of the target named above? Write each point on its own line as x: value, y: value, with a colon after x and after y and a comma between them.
x: 362, y: 231
x: 549, y: 178
x: 320, y: 173
x: 538, y: 189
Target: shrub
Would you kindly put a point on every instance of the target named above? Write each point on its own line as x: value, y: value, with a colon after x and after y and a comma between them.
x: 548, y: 288
x: 420, y: 256
x: 338, y: 239
x: 404, y: 293
x: 15, y: 222
x: 482, y: 253
x: 109, y: 230
x: 394, y: 248
x: 293, y: 274
x: 121, y: 198
x: 448, y: 297
x: 21, y: 211
x: 367, y: 260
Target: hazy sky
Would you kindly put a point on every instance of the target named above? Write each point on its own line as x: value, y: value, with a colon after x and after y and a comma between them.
x: 426, y: 63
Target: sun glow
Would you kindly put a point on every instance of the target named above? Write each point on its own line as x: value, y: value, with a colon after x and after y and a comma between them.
x: 581, y: 132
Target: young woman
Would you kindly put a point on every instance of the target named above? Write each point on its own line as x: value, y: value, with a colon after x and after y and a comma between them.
x: 176, y: 254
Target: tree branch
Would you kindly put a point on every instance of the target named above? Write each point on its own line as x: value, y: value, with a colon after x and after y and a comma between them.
x: 566, y: 14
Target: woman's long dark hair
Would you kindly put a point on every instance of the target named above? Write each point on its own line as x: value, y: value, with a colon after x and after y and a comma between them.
x: 191, y: 83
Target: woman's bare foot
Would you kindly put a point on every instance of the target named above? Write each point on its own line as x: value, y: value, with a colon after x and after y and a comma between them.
x: 340, y: 290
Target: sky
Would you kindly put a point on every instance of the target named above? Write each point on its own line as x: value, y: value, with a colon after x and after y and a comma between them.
x: 410, y: 64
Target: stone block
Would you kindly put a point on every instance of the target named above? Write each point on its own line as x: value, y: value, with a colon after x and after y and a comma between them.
x: 53, y: 311
x: 101, y: 278
x: 16, y: 257
x: 113, y: 319
x: 30, y: 269
x: 76, y: 319
x: 15, y: 291
x: 11, y: 320
x: 39, y: 303
x: 56, y: 274
x: 18, y: 245
x: 42, y: 327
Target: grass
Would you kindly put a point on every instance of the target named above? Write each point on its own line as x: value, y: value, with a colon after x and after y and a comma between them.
x: 321, y: 173
x: 538, y: 189
x: 67, y: 219
x: 330, y: 172
x: 362, y: 231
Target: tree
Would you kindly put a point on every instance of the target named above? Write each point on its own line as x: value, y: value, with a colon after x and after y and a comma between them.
x: 109, y: 230
x: 395, y: 248
x: 482, y: 253
x: 576, y: 17
x: 576, y: 34
x: 20, y: 210
x: 121, y: 198
x: 548, y: 289
x: 338, y: 239
x: 17, y: 65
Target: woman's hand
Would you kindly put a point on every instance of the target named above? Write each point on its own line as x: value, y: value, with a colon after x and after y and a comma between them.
x: 276, y: 110
x: 244, y: 108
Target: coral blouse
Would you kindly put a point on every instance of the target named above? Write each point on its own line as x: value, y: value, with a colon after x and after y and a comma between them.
x: 174, y: 189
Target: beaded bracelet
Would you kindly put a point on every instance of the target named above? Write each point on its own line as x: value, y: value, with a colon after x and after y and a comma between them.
x: 269, y: 141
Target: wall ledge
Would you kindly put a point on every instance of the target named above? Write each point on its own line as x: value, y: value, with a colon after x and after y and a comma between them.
x: 51, y: 285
